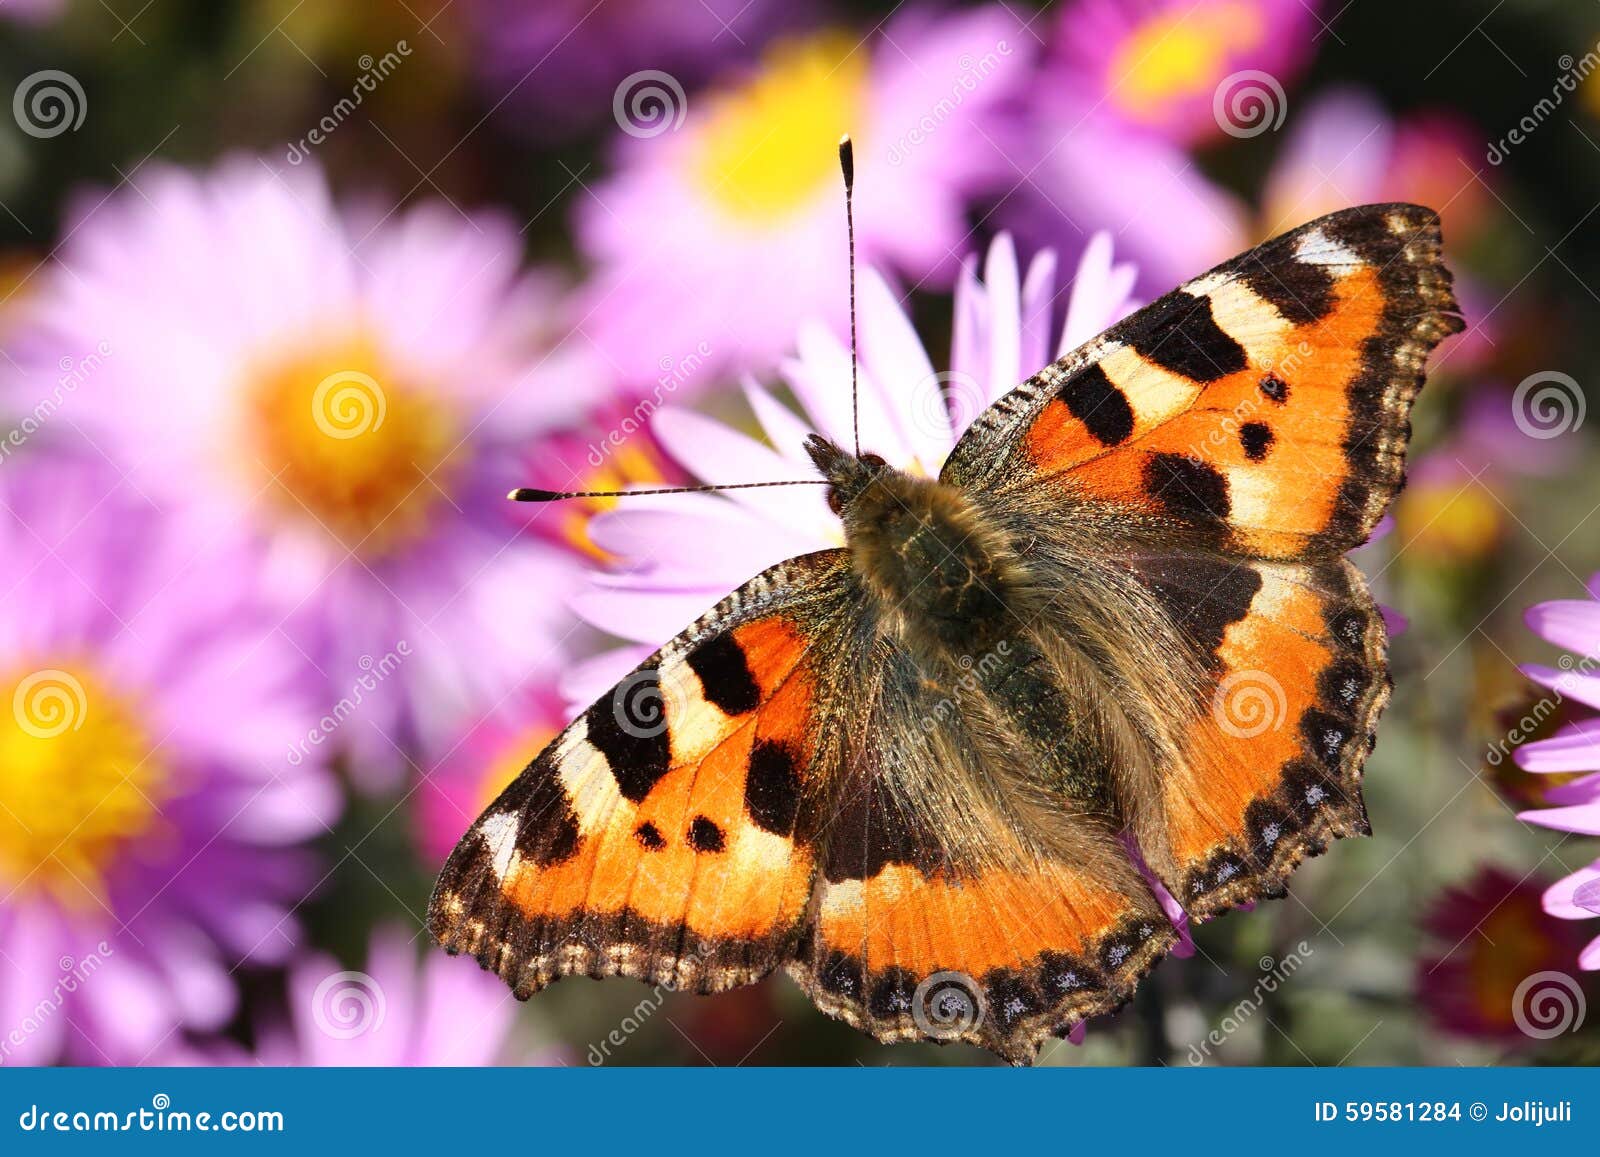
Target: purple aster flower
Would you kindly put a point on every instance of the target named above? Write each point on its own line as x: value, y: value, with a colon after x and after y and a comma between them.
x: 1574, y: 626
x: 31, y: 11
x: 1491, y: 945
x: 354, y: 388
x: 147, y: 830
x: 1339, y: 149
x: 391, y: 1013
x: 1161, y: 67
x: 475, y: 770
x: 727, y: 232
x: 563, y: 63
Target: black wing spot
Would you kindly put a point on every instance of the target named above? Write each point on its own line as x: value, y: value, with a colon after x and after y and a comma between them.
x: 1187, y: 487
x: 1094, y: 400
x: 720, y: 665
x: 638, y: 751
x: 706, y: 836
x: 1275, y: 388
x: 772, y: 788
x: 1256, y: 438
x: 1182, y: 336
x: 649, y: 837
x: 1300, y: 291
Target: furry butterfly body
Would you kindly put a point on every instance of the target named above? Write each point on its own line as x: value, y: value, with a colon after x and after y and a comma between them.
x: 920, y: 772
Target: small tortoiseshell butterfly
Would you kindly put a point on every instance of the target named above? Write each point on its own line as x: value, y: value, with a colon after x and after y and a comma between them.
x: 914, y: 771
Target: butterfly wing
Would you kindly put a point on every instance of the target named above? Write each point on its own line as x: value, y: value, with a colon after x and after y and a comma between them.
x: 954, y: 899
x: 1265, y: 403
x: 662, y: 835
x: 782, y: 785
x: 1215, y: 454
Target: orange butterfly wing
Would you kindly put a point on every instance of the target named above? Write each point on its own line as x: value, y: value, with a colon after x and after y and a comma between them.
x: 1254, y: 421
x: 656, y: 837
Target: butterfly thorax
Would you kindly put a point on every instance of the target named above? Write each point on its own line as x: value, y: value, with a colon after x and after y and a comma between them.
x: 944, y: 580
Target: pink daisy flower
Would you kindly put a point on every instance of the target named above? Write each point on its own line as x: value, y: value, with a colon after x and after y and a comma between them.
x: 1338, y: 149
x: 1163, y: 67
x: 729, y: 230
x: 148, y: 828
x: 1574, y: 626
x: 1489, y: 938
x: 355, y: 390
x: 473, y: 773
x: 393, y: 1012
x: 559, y: 64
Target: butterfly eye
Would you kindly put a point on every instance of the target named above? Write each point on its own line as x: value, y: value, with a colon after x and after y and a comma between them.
x: 874, y: 461
x: 834, y: 504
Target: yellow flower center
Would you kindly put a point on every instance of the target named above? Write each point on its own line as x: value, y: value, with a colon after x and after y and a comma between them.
x: 627, y: 465
x: 1453, y: 521
x: 350, y: 447
x: 80, y: 779
x: 768, y: 146
x: 1180, y: 56
x: 1511, y: 944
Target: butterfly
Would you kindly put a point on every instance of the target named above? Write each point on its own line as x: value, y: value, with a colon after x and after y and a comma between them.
x: 930, y: 774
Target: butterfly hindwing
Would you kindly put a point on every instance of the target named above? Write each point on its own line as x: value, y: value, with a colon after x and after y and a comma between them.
x: 1267, y: 768
x: 1265, y: 403
x: 957, y: 900
x: 660, y: 836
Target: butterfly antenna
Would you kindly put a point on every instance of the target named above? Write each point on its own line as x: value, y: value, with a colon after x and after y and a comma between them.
x: 532, y: 494
x: 847, y: 164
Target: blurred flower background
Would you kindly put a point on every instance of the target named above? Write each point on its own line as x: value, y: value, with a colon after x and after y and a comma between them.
x: 291, y: 294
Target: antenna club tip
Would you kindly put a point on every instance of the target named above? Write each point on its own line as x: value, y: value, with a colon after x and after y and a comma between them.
x: 529, y: 494
x: 847, y: 160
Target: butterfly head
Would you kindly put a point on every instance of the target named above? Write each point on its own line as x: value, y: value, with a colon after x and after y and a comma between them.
x: 848, y: 475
